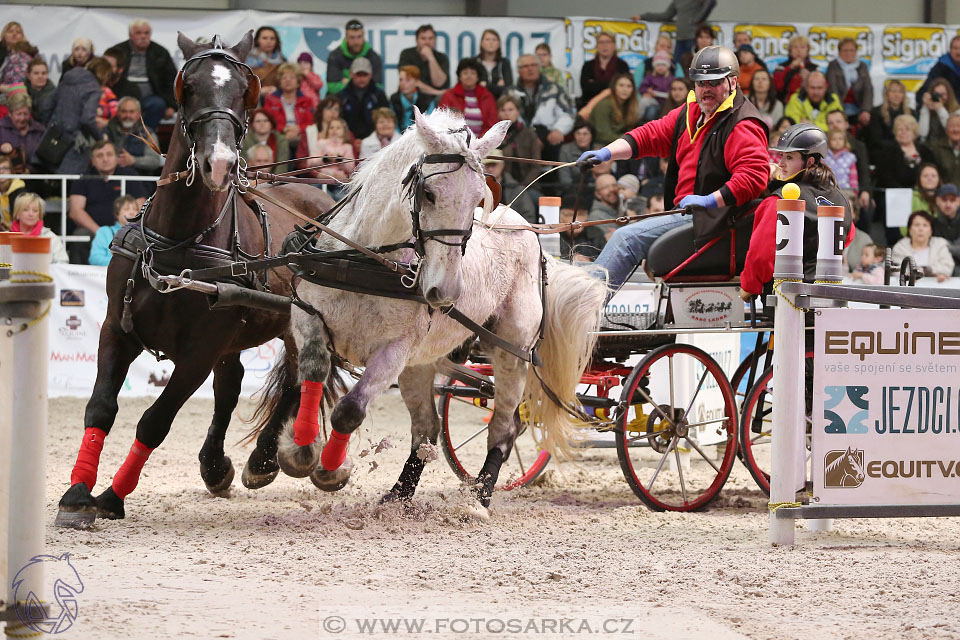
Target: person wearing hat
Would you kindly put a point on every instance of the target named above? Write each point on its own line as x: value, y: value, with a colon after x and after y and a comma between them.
x: 946, y: 222
x: 354, y: 45
x: 310, y: 83
x: 716, y: 146
x: 360, y: 97
x: 802, y: 148
x: 748, y: 65
x: 655, y: 87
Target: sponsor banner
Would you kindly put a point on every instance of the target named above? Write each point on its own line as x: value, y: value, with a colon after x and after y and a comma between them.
x: 824, y: 40
x: 771, y: 42
x: 706, y: 306
x: 886, y: 407
x: 318, y: 34
x: 634, y: 39
x: 75, y: 319
x: 912, y: 50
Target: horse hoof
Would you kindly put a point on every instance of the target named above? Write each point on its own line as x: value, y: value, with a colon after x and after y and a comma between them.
x: 332, y: 480
x: 474, y: 511
x: 78, y: 509
x: 224, y: 483
x: 253, y: 480
x: 110, y: 505
x: 297, y: 461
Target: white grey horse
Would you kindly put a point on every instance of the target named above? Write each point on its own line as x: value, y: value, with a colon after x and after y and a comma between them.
x: 496, y: 282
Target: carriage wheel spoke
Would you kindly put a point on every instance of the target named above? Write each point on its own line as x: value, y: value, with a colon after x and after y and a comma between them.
x: 695, y: 393
x: 706, y: 422
x: 482, y: 429
x: 702, y: 455
x: 670, y: 376
x: 663, y: 459
x: 765, y: 434
x: 655, y: 406
x: 683, y: 485
x: 516, y: 452
x: 647, y: 436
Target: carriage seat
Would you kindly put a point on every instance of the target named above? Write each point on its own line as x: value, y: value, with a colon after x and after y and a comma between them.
x: 675, y: 246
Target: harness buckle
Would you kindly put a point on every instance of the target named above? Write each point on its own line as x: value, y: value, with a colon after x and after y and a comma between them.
x: 411, y: 279
x: 238, y: 269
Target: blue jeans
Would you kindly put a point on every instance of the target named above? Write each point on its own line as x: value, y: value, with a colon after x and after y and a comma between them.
x: 629, y: 245
x: 153, y: 109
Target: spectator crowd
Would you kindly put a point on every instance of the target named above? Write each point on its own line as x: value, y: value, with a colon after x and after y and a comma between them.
x: 96, y: 117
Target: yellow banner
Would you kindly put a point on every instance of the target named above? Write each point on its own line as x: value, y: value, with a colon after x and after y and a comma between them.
x: 824, y: 40
x: 912, y: 50
x: 631, y: 37
x: 770, y: 41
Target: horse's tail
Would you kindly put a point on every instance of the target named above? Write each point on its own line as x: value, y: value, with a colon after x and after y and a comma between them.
x: 574, y: 308
x: 279, y: 382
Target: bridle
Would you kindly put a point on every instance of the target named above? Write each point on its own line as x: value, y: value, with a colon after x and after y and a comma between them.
x: 189, y: 124
x: 415, y: 190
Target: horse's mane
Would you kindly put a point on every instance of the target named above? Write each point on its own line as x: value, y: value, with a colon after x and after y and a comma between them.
x: 836, y: 463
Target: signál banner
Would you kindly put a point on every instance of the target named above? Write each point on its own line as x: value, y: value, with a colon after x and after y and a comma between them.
x: 886, y: 407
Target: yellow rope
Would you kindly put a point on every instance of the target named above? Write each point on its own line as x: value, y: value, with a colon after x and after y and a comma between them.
x: 776, y: 290
x: 828, y: 282
x: 12, y: 630
x: 773, y: 506
x: 39, y: 276
x: 5, y: 265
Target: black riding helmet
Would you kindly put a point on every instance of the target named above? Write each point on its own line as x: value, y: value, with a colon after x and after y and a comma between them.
x: 713, y: 63
x: 808, y: 139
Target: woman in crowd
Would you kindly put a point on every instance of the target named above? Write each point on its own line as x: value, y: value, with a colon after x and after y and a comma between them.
x: 40, y: 88
x: 583, y: 140
x: 76, y: 105
x: 291, y: 110
x: 880, y: 128
x: 902, y: 159
x: 80, y: 54
x: 619, y: 112
x: 596, y: 74
x: 327, y: 112
x: 930, y: 252
x: 764, y: 98
x: 384, y: 132
x: 265, y: 57
x: 28, y: 213
x: 497, y: 75
x: 333, y: 147
x: 520, y: 142
x: 13, y: 41
x: 789, y: 76
x: 263, y: 131
x: 939, y: 103
x: 849, y: 77
x: 925, y: 190
x: 679, y: 89
x: 478, y: 106
x: 749, y: 65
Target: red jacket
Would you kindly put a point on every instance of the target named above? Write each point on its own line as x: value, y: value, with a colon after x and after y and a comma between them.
x: 745, y: 153
x: 455, y: 99
x: 758, y: 266
x: 302, y: 108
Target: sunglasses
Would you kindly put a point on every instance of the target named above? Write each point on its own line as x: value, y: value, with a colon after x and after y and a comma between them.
x: 710, y: 83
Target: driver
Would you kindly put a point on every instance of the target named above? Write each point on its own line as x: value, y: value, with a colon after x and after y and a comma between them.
x: 716, y: 146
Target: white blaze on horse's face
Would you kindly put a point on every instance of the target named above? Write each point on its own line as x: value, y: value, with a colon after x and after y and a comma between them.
x: 449, y: 202
x: 220, y: 75
x: 221, y: 161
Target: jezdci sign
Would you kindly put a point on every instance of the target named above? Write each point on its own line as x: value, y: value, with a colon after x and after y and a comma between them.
x: 886, y: 407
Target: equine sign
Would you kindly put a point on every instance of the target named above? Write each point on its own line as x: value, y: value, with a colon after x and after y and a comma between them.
x: 886, y: 407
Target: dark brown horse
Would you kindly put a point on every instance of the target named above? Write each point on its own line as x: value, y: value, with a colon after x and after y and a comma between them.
x: 214, y: 89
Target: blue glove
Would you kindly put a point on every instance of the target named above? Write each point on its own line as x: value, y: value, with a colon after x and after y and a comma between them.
x: 590, y: 159
x: 709, y: 202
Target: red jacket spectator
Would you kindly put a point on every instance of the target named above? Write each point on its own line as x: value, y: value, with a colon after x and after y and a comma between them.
x: 788, y: 80
x: 302, y: 109
x: 744, y: 153
x: 455, y: 99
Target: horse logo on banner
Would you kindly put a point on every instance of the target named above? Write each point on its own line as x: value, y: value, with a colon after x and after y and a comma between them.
x: 843, y: 469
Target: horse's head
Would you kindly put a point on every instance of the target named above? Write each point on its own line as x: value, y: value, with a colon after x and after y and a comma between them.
x: 214, y: 89
x: 852, y: 460
x: 447, y: 186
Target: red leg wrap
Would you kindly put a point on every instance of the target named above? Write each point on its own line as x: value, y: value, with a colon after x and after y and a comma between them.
x: 335, y: 451
x: 88, y: 460
x: 129, y: 474
x: 306, y: 426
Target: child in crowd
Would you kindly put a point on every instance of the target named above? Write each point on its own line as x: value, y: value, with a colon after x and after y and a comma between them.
x: 842, y: 161
x: 311, y: 84
x: 28, y: 213
x: 655, y: 88
x: 334, y: 147
x: 870, y: 270
x: 124, y: 209
x: 550, y: 72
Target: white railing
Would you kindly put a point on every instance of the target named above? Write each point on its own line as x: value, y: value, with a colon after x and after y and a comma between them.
x: 64, y: 196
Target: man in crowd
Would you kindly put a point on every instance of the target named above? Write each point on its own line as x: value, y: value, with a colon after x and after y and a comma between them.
x: 946, y: 222
x: 353, y: 46
x: 20, y: 134
x: 40, y: 89
x: 718, y: 159
x: 151, y: 69
x: 947, y: 151
x: 813, y: 102
x: 434, y: 66
x: 360, y: 97
x: 948, y: 67
x: 837, y: 121
x: 128, y: 135
x: 586, y: 242
x: 119, y: 84
x: 91, y: 200
x: 543, y: 105
x: 606, y: 202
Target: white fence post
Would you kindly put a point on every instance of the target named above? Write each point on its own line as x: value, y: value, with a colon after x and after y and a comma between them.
x: 29, y: 424
x: 788, y: 432
x: 6, y: 415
